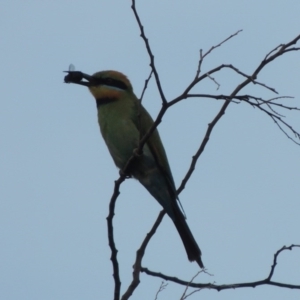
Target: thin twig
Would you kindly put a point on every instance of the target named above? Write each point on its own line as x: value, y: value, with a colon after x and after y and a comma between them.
x: 202, y: 56
x: 140, y: 103
x: 184, y: 295
x: 152, y: 64
x: 146, y: 85
x: 163, y: 285
x: 280, y: 51
x: 165, y: 105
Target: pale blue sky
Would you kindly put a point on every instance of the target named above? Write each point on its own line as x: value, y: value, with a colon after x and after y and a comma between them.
x: 57, y: 177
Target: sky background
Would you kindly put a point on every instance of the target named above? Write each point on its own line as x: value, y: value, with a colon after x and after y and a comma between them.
x: 57, y: 177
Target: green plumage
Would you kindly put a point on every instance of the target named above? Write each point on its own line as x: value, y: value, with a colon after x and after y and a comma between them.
x: 122, y: 122
x: 119, y: 124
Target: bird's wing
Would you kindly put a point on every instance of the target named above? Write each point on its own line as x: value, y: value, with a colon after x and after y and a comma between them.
x: 156, y: 148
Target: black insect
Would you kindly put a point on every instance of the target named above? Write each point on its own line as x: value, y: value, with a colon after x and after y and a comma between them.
x: 73, y: 76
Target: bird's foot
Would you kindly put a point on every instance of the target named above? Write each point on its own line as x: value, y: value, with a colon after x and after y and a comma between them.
x: 126, y: 175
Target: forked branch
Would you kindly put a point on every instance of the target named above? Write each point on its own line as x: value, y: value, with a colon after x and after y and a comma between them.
x: 266, y: 106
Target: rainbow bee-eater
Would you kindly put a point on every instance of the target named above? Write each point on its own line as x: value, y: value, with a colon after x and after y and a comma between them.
x: 123, y: 121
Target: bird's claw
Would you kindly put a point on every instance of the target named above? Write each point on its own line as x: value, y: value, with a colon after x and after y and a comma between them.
x: 122, y: 173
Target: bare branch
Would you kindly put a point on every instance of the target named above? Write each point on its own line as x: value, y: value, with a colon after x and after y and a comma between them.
x: 277, y: 118
x: 274, y: 103
x: 140, y: 102
x: 139, y: 256
x: 297, y: 135
x: 214, y: 70
x: 276, y: 256
x: 206, y: 139
x: 221, y: 43
x: 185, y: 295
x: 251, y: 78
x: 202, y: 56
x: 214, y: 80
x: 276, y: 52
x: 111, y: 241
x: 280, y: 51
x: 163, y: 285
x: 213, y: 286
x: 152, y: 65
x: 145, y: 86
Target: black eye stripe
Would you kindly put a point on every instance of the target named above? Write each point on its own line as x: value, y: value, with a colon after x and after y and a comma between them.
x: 113, y: 82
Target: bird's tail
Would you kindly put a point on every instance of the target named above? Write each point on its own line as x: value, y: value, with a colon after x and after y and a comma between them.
x: 192, y: 249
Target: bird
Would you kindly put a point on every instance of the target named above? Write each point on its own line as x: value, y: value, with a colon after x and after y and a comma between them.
x: 123, y: 120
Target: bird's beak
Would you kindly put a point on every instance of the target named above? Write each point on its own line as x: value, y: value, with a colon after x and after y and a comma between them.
x: 78, y: 78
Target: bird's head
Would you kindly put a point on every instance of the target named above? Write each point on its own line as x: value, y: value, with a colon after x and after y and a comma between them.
x: 111, y: 84
x: 102, y: 85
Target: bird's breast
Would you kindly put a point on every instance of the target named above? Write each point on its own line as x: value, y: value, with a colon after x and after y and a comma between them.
x: 120, y: 135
